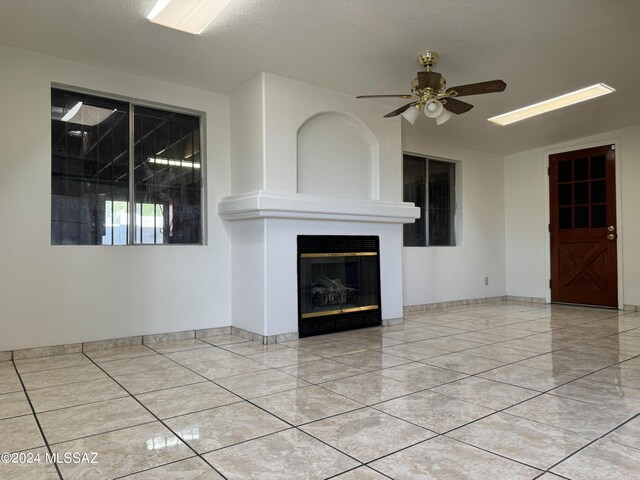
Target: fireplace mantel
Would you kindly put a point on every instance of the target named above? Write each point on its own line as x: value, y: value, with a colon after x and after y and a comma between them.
x: 262, y: 204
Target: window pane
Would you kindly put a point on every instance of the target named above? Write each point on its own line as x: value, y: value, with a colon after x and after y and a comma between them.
x: 168, y: 178
x: 89, y: 169
x: 415, y: 192
x: 441, y: 198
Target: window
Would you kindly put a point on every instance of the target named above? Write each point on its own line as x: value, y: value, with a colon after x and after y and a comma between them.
x: 123, y: 173
x: 430, y: 185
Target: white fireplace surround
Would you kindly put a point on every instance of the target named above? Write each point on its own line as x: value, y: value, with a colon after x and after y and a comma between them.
x: 265, y: 226
x: 306, y: 160
x: 261, y: 204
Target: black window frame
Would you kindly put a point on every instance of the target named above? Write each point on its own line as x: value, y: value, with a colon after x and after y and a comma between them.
x: 194, y: 208
x: 422, y: 187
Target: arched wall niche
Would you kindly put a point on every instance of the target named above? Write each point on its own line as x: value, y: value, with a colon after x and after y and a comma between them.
x: 337, y: 156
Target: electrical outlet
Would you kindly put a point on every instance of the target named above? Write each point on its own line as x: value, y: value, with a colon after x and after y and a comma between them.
x: 486, y: 280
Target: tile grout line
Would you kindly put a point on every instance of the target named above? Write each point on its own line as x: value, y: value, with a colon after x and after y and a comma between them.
x: 444, y: 434
x: 591, y: 443
x: 35, y: 417
x: 362, y: 408
x: 500, y: 410
x: 426, y: 389
x: 158, y: 419
x: 128, y: 475
x: 291, y: 426
x: 355, y: 468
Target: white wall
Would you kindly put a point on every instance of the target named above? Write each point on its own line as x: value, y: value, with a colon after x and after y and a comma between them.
x: 53, y: 295
x: 526, y: 224
x: 246, y: 116
x: 289, y: 103
x: 439, y: 274
x: 335, y: 157
x: 526, y: 209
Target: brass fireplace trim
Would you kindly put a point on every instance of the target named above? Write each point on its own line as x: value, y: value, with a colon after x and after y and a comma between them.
x: 342, y: 310
x: 340, y: 254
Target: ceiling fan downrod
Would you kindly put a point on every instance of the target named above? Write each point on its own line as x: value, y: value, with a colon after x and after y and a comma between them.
x: 427, y: 60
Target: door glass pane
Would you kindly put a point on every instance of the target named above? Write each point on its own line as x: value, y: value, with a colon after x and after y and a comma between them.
x: 89, y: 169
x: 599, y: 192
x: 565, y: 194
x: 581, y: 193
x: 566, y: 218
x: 564, y: 171
x: 168, y: 177
x: 581, y: 169
x: 582, y: 217
x: 598, y: 169
x: 415, y: 191
x: 598, y: 216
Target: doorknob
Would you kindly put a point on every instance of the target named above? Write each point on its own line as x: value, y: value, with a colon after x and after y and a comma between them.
x: 611, y: 228
x: 611, y: 236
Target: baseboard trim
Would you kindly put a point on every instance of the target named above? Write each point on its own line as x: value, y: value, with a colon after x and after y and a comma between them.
x: 631, y: 308
x: 264, y: 339
x: 454, y: 303
x: 514, y: 298
x: 92, y: 346
x: 390, y: 322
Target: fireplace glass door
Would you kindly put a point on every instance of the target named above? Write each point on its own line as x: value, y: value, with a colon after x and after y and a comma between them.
x: 338, y: 283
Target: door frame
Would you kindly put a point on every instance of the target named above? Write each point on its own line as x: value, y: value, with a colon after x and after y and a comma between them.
x: 547, y: 210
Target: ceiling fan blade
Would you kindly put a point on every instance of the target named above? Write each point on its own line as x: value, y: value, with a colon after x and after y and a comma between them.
x: 400, y: 110
x: 491, y: 86
x: 429, y: 80
x: 401, y: 95
x: 457, y: 106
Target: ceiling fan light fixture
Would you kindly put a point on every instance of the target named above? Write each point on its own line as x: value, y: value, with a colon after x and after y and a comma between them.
x: 433, y: 108
x: 555, y: 103
x: 411, y: 114
x: 429, y: 92
x: 443, y: 117
x: 191, y: 16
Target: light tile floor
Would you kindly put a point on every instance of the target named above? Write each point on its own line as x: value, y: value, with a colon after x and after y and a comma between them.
x: 499, y: 391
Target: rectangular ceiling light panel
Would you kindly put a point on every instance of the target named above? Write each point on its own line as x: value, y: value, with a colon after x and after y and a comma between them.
x: 552, y: 104
x: 87, y: 115
x: 191, y: 16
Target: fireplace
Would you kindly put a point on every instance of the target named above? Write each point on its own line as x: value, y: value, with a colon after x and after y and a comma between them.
x: 338, y: 283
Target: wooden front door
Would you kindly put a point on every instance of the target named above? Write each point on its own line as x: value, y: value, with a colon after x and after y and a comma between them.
x: 583, y: 227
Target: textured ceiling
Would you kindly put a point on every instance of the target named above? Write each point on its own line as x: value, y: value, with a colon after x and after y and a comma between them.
x: 541, y: 48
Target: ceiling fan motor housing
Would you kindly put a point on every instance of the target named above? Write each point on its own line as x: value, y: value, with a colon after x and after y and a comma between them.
x: 428, y: 60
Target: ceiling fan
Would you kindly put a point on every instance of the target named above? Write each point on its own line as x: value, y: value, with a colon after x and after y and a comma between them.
x: 429, y: 93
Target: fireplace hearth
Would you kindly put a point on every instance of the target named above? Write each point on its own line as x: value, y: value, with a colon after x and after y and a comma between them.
x: 338, y: 283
